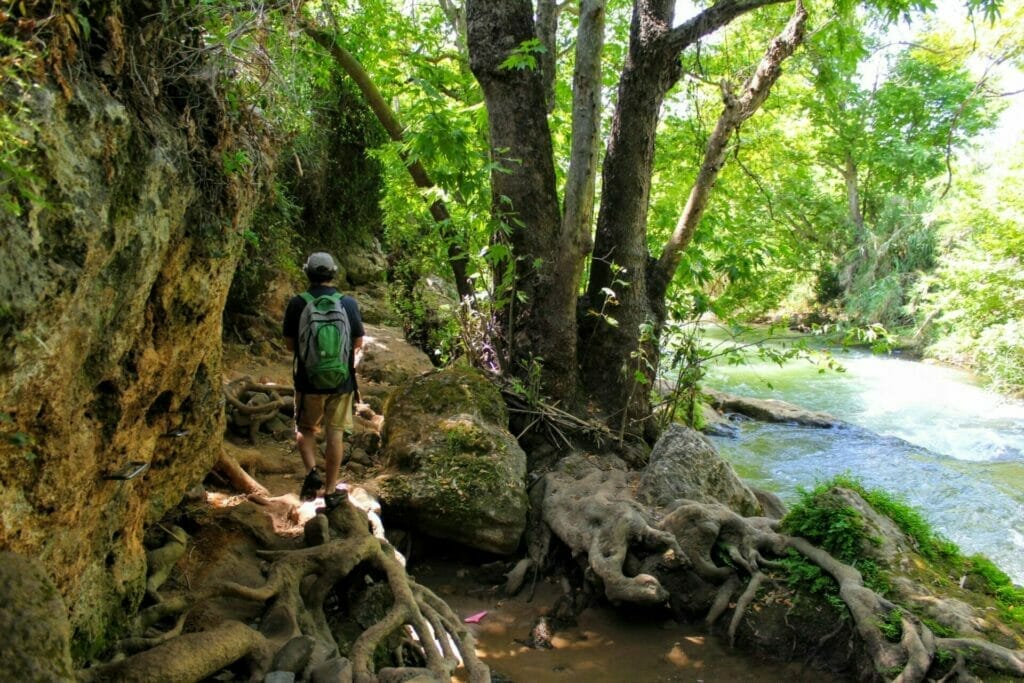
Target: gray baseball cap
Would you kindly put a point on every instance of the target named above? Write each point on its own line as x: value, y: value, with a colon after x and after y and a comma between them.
x: 320, y: 265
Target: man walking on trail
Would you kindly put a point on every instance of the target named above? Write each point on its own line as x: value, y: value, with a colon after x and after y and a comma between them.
x: 325, y: 331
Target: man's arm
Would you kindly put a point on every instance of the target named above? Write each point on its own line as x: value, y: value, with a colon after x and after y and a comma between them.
x: 357, y: 348
x: 289, y: 343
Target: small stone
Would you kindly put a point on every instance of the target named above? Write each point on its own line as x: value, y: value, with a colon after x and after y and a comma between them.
x: 279, y: 677
x: 337, y: 670
x: 295, y: 654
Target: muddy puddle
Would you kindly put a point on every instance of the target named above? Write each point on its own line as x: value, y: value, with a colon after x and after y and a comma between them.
x: 607, y: 646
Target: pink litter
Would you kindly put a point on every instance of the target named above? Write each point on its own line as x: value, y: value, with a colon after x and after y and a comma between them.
x: 475, y: 618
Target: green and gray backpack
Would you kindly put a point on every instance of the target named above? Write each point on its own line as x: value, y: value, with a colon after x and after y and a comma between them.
x: 325, y: 340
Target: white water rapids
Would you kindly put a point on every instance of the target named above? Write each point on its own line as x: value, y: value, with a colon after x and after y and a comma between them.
x: 947, y: 446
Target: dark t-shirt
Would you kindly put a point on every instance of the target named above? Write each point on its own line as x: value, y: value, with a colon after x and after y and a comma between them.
x: 291, y: 329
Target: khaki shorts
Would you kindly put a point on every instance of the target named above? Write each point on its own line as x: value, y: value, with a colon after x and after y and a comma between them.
x: 330, y: 411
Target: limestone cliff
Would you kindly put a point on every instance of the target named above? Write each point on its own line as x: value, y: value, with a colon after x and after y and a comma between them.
x: 113, y: 283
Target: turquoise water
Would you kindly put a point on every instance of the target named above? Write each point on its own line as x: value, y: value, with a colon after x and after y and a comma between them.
x: 925, y: 432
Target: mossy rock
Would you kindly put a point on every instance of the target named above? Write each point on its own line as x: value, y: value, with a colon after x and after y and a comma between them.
x: 455, y: 472
x: 37, y: 636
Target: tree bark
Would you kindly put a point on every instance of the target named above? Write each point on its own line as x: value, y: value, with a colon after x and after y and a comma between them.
x: 525, y: 199
x: 547, y: 31
x: 457, y: 257
x: 621, y: 261
x: 853, y: 196
x: 586, y: 126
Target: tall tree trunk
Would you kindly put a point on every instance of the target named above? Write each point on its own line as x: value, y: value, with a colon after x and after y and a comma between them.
x: 612, y: 355
x: 438, y: 210
x: 547, y: 31
x: 586, y: 129
x: 853, y: 196
x: 525, y: 198
x: 862, y: 247
x: 620, y: 250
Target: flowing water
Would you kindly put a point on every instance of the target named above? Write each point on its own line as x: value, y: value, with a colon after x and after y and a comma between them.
x: 925, y: 432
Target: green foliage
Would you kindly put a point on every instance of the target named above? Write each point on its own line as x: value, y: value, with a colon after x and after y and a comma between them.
x: 524, y: 57
x: 994, y: 582
x: 268, y: 251
x: 804, y: 575
x: 19, y: 66
x: 892, y: 626
x: 528, y: 384
x: 825, y: 521
x: 973, y: 304
x: 909, y: 520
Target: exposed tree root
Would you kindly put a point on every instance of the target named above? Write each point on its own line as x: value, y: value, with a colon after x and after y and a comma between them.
x: 299, y: 582
x: 592, y: 510
x: 439, y: 635
x: 251, y: 404
x: 187, y: 658
x: 238, y: 477
x: 986, y: 654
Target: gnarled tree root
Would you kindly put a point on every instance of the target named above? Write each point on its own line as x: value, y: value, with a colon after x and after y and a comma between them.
x: 187, y: 658
x: 266, y: 403
x: 592, y: 511
x: 439, y: 634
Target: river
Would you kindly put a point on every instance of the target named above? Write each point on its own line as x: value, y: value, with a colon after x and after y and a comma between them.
x: 930, y: 434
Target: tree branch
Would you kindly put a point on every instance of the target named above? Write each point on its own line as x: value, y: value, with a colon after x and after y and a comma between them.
x: 457, y: 257
x: 737, y: 110
x: 710, y: 20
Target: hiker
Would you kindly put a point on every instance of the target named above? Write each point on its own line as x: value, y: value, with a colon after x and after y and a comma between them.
x: 325, y: 331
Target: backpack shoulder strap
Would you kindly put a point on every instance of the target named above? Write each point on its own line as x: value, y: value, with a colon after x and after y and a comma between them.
x: 307, y: 297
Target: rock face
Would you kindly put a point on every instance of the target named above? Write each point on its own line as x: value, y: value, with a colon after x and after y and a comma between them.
x: 112, y: 290
x: 455, y: 471
x: 37, y: 637
x: 684, y: 464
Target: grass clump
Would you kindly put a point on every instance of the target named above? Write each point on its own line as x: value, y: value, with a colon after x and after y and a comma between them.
x: 824, y: 520
x: 892, y: 626
x: 928, y: 542
x: 994, y: 582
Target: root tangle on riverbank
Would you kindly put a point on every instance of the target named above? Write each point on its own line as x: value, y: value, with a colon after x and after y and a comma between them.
x: 703, y: 557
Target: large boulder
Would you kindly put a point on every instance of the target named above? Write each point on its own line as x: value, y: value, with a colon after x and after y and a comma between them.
x: 453, y: 470
x: 684, y: 464
x: 389, y: 359
x: 388, y: 362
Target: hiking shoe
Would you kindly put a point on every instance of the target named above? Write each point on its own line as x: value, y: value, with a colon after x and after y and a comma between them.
x: 310, y: 485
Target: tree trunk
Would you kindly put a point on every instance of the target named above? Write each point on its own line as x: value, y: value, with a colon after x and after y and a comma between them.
x: 586, y: 126
x: 853, y: 196
x: 613, y: 356
x: 620, y: 250
x: 542, y: 325
x: 547, y: 31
